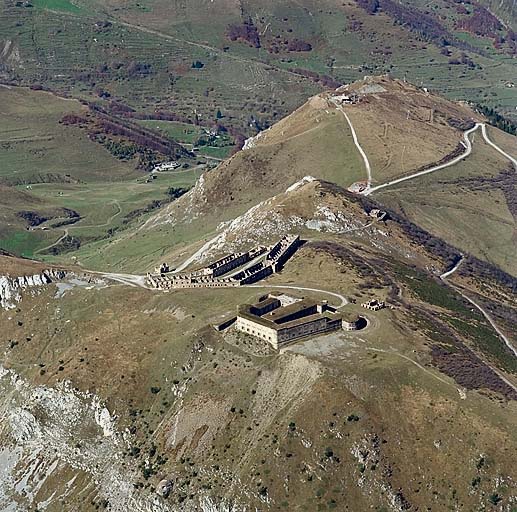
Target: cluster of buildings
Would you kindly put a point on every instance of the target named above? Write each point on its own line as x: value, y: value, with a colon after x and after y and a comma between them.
x: 279, y: 324
x: 225, y: 272
x: 347, y: 98
x: 277, y: 319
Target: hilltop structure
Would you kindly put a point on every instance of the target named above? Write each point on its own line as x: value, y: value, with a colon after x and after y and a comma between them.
x: 263, y: 261
x: 374, y: 305
x: 281, y: 323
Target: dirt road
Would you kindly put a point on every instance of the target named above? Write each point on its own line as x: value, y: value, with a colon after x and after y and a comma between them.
x: 468, y: 150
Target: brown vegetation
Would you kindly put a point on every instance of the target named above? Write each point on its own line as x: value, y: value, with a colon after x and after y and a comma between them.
x: 424, y: 24
x: 469, y: 371
x: 481, y: 23
x: 246, y: 32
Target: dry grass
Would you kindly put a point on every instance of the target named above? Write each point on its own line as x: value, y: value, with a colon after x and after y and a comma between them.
x: 320, y: 408
x: 404, y: 128
x: 471, y: 218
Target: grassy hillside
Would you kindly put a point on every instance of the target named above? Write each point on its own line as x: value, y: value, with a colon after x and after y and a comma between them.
x: 257, y: 61
x: 471, y: 204
x: 51, y: 172
x: 314, y: 140
x: 402, y: 128
x: 228, y: 419
x: 35, y: 146
x: 108, y: 389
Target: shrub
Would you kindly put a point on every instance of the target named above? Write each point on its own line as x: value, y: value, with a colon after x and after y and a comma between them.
x: 246, y: 32
x: 495, y: 499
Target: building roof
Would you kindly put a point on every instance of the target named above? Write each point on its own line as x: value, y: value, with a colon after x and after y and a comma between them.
x: 350, y: 317
x: 266, y: 302
x: 307, y: 320
x: 277, y: 315
x: 273, y: 320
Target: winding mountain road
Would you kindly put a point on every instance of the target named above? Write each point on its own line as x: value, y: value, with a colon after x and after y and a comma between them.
x: 53, y: 244
x: 468, y: 149
x: 454, y: 161
x: 105, y: 224
x: 496, y: 147
x: 139, y: 281
x: 66, y: 231
x: 128, y: 279
x: 444, y: 277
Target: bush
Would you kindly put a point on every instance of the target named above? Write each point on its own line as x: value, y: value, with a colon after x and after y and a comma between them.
x: 297, y: 45
x: 495, y: 499
x: 246, y: 32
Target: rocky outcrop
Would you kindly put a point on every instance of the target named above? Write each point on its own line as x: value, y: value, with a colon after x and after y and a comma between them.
x: 164, y: 488
x: 11, y: 287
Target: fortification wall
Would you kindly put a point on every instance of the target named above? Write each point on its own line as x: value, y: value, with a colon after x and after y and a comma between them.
x: 257, y: 276
x: 317, y: 326
x: 207, y: 277
x: 288, y: 246
x: 255, y: 329
x: 231, y: 262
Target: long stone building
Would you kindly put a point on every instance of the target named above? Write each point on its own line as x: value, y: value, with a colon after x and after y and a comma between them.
x: 278, y: 324
x: 266, y: 261
x: 227, y: 264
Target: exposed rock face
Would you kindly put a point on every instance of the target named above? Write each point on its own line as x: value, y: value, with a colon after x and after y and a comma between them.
x: 55, y: 434
x: 11, y: 287
x: 54, y: 449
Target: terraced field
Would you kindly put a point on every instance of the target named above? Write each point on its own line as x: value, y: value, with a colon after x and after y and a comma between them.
x: 143, y: 55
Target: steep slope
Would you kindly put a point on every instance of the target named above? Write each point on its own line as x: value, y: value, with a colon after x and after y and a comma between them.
x: 313, y: 209
x: 400, y: 128
x: 125, y: 395
x: 403, y: 131
x: 505, y: 10
x: 471, y: 205
x: 55, y: 172
x: 258, y: 59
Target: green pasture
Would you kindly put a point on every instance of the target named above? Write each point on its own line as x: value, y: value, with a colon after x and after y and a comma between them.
x: 58, y: 5
x: 101, y: 208
x: 180, y: 132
